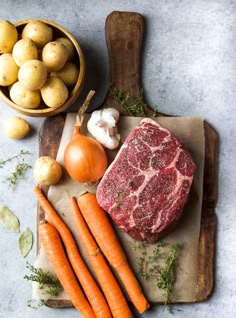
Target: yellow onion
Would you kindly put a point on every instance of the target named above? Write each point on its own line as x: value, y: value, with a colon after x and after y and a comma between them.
x: 84, y: 158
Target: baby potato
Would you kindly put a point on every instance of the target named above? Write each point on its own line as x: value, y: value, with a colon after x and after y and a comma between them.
x: 15, y: 127
x: 32, y: 74
x: 24, y: 97
x: 69, y: 45
x: 8, y: 69
x: 24, y: 50
x: 37, y: 31
x: 47, y: 171
x: 54, y: 92
x: 54, y: 56
x: 69, y: 73
x: 8, y: 36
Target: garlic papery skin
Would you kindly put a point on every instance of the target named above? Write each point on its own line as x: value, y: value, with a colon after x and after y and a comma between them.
x: 102, y: 125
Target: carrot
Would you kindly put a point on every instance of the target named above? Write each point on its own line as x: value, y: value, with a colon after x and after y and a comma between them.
x: 55, y: 252
x: 107, y: 240
x: 90, y: 287
x: 112, y: 291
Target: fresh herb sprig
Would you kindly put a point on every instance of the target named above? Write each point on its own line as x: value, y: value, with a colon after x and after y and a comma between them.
x: 20, y: 168
x: 17, y: 174
x: 18, y: 156
x: 132, y: 105
x: 167, y: 273
x: 160, y: 266
x: 45, y: 280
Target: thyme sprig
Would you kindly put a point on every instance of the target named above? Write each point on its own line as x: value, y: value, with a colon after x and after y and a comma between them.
x: 167, y: 273
x: 132, y: 105
x: 160, y: 266
x: 45, y: 280
x: 17, y: 174
x: 20, y: 168
x: 18, y: 156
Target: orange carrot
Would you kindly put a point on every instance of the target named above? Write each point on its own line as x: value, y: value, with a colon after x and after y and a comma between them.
x: 112, y: 291
x: 90, y: 287
x: 107, y: 240
x: 55, y: 252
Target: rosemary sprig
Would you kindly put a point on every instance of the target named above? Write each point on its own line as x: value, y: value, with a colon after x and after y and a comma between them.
x: 17, y: 156
x: 45, y: 280
x: 132, y: 105
x: 17, y: 174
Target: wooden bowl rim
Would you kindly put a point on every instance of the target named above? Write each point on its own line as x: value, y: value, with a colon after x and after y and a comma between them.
x: 49, y: 111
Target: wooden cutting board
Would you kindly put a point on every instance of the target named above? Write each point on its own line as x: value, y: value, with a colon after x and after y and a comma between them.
x: 124, y: 34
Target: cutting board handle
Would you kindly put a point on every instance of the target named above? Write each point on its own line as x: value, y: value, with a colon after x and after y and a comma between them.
x: 124, y: 34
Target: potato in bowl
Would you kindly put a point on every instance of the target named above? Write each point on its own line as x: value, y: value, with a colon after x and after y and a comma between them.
x: 42, y: 52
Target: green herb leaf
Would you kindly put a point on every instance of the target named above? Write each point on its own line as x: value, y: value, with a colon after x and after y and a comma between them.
x: 18, y: 174
x: 132, y: 105
x: 20, y: 167
x: 25, y: 242
x: 167, y: 273
x: 45, y: 280
x: 8, y: 219
x: 160, y: 265
x: 17, y: 156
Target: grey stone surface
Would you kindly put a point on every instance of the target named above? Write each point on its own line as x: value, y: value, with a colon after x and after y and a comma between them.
x: 188, y: 68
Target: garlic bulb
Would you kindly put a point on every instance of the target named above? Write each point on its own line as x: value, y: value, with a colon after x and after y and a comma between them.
x: 102, y: 126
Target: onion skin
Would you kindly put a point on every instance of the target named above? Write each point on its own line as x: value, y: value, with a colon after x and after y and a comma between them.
x: 84, y: 158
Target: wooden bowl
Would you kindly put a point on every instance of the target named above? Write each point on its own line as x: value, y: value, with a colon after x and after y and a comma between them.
x: 74, y: 91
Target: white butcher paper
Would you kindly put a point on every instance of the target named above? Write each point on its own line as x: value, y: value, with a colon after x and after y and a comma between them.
x: 190, y: 130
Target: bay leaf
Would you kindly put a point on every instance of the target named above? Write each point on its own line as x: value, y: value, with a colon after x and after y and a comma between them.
x: 25, y: 242
x: 8, y: 219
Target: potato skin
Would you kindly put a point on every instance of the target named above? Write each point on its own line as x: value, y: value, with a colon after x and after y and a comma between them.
x: 24, y: 50
x: 8, y: 69
x: 24, y: 97
x: 69, y: 74
x: 37, y: 31
x: 32, y: 74
x: 54, y: 92
x: 8, y: 36
x: 69, y: 45
x: 47, y: 171
x: 15, y: 127
x: 54, y: 56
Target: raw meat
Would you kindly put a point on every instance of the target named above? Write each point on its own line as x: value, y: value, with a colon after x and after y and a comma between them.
x: 146, y: 186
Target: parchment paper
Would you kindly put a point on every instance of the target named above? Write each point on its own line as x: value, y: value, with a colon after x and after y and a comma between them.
x: 190, y: 130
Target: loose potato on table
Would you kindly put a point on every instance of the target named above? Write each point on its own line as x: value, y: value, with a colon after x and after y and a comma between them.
x: 8, y: 69
x: 37, y: 31
x: 54, y: 92
x: 8, y: 36
x: 15, y: 127
x: 24, y: 97
x: 32, y: 74
x: 47, y: 171
x: 54, y: 56
x: 24, y: 50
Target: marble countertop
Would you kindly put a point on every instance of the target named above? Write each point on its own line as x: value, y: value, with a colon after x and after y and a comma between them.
x: 188, y: 69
